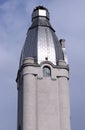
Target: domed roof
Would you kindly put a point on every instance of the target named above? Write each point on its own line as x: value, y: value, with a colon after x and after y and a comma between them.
x: 41, y: 42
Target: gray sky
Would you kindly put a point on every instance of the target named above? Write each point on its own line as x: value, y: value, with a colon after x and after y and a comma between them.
x: 68, y: 19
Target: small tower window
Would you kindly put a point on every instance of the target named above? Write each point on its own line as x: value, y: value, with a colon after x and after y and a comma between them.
x: 46, y: 71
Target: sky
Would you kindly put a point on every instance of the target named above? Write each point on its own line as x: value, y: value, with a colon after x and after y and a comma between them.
x: 67, y: 17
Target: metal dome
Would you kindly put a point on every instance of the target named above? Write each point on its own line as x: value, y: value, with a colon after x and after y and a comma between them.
x: 41, y: 42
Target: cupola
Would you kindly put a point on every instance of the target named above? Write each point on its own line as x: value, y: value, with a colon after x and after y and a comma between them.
x: 41, y: 42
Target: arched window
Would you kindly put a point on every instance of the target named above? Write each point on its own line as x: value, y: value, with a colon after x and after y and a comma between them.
x: 46, y: 71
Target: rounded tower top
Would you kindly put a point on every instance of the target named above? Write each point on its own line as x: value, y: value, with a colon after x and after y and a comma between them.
x: 41, y: 43
x: 40, y: 11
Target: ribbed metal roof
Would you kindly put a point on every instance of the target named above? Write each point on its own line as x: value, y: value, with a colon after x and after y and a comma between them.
x: 41, y: 42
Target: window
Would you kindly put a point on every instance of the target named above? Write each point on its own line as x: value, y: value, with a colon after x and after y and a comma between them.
x: 46, y: 71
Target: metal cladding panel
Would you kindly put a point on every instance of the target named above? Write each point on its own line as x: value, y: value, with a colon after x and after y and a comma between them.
x: 46, y: 48
x: 30, y: 46
x: 41, y: 21
x: 58, y: 47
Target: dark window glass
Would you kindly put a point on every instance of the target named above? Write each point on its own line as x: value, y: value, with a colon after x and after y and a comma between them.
x: 46, y: 71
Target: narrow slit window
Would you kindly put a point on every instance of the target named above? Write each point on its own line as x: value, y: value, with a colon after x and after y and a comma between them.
x: 46, y: 71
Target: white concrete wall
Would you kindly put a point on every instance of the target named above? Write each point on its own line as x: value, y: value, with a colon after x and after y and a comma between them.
x: 48, y: 104
x: 45, y: 99
x: 29, y: 102
x: 64, y: 103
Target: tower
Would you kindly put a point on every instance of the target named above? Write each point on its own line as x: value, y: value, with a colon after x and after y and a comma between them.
x: 42, y: 79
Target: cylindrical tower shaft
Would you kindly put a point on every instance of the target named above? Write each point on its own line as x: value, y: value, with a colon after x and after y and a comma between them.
x: 43, y: 76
